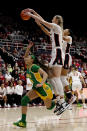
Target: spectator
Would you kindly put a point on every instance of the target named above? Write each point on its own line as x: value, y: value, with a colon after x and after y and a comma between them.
x: 15, y: 73
x: 1, y: 61
x: 10, y: 92
x: 8, y: 76
x: 9, y: 68
x: 2, y: 78
x: 3, y: 68
x: 3, y: 97
x: 22, y: 77
x: 19, y: 92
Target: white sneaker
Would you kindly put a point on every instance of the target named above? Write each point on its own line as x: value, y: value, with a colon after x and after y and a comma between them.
x: 0, y: 106
x: 5, y: 105
x: 15, y: 105
x: 70, y: 107
x: 84, y: 106
x: 8, y: 106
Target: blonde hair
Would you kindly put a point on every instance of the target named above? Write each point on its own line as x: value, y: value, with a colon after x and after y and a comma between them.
x: 60, y: 20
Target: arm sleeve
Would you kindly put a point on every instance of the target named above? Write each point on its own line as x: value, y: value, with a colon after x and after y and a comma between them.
x: 35, y: 68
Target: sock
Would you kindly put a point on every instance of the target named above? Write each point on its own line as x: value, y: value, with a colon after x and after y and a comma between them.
x: 23, y: 117
x: 62, y: 100
x: 58, y: 98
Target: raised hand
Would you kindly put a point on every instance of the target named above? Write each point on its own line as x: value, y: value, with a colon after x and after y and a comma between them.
x: 30, y: 44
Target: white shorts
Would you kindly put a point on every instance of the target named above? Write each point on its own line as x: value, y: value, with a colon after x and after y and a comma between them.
x: 56, y: 59
x: 76, y: 86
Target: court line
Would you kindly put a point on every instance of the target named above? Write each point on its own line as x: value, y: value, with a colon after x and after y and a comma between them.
x: 73, y: 118
x: 47, y: 123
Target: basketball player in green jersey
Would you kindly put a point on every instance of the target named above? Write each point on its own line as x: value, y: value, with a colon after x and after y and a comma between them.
x: 40, y: 88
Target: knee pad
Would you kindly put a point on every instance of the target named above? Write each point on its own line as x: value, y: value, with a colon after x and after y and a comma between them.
x: 52, y: 105
x: 25, y: 101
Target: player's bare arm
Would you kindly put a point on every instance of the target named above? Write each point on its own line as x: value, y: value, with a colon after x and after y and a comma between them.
x: 45, y: 30
x: 47, y: 24
x: 44, y: 75
x: 34, y: 12
x: 28, y: 49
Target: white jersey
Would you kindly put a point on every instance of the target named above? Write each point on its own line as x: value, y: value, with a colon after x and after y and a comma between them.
x: 19, y: 90
x: 75, y: 76
x: 56, y: 36
x: 2, y: 91
x: 64, y: 46
x: 9, y: 90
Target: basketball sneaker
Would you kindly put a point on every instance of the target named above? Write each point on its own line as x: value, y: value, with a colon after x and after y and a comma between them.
x: 79, y: 105
x: 84, y: 106
x: 70, y: 107
x: 62, y: 108
x: 20, y: 124
x: 57, y: 107
x: 72, y: 100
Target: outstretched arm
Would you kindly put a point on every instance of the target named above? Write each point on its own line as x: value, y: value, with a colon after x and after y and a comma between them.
x: 45, y: 30
x: 28, y: 49
x: 42, y: 21
x: 44, y: 75
x: 34, y: 12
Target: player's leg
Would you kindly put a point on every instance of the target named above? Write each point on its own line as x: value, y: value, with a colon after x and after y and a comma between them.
x: 65, y: 70
x: 31, y: 95
x: 49, y: 104
x: 46, y: 95
x: 83, y: 99
x: 65, y: 83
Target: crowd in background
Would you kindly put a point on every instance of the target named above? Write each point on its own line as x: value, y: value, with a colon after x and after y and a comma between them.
x: 13, y: 44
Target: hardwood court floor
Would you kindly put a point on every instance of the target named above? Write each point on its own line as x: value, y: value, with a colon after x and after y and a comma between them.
x: 40, y: 119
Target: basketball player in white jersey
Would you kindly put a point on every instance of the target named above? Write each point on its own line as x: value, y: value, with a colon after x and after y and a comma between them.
x: 67, y: 41
x: 56, y: 62
x: 77, y: 81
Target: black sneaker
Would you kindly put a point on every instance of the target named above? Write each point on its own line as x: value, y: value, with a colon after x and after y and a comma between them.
x: 62, y: 108
x: 57, y: 107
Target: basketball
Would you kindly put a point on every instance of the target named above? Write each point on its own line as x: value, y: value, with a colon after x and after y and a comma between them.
x: 24, y: 16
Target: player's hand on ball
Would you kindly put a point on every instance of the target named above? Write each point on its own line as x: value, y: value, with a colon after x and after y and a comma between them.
x: 29, y: 10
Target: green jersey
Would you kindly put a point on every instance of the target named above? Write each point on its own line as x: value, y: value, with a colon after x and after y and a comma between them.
x: 34, y: 75
x: 36, y: 78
